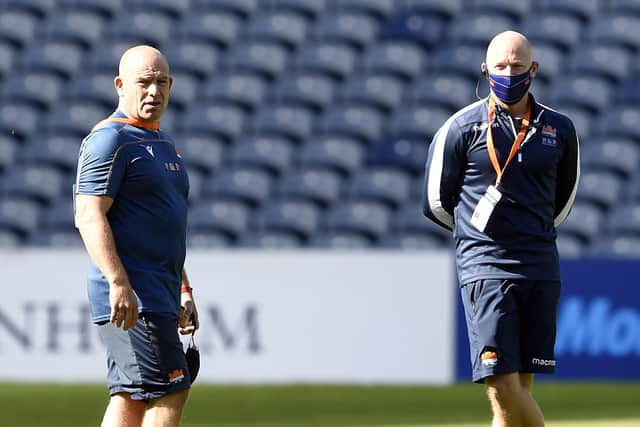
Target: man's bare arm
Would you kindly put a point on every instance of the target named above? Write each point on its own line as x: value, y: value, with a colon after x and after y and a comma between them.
x: 189, y: 321
x: 91, y: 221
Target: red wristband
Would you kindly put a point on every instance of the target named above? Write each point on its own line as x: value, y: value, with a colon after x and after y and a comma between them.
x: 185, y: 289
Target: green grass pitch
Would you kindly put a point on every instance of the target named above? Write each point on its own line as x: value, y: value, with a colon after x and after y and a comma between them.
x: 565, y: 405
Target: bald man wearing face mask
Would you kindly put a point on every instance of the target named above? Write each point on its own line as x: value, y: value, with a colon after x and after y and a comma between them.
x: 131, y: 210
x: 502, y: 174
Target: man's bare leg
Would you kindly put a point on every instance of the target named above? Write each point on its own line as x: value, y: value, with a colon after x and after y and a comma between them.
x: 123, y: 411
x: 165, y: 411
x: 512, y: 403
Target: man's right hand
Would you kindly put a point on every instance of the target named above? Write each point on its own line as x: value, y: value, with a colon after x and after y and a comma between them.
x: 124, y: 306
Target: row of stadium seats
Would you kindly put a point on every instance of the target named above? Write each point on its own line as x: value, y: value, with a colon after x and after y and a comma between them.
x: 306, y: 122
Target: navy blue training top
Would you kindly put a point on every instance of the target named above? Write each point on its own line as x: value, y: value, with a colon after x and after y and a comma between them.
x: 538, y: 189
x: 140, y: 169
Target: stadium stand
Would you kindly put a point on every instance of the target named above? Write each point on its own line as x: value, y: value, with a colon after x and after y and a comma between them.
x: 305, y: 123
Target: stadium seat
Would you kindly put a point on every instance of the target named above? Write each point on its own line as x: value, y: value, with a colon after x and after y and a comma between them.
x: 228, y: 218
x: 242, y: 8
x: 40, y: 183
x: 172, y: 8
x: 367, y: 218
x: 478, y: 28
x: 309, y: 8
x: 560, y: 30
x: 320, y: 186
x: 246, y: 89
x: 207, y: 240
x: 630, y: 7
x: 152, y: 28
x: 271, y: 154
x: 269, y: 240
x: 288, y: 29
x: 55, y: 239
x: 451, y: 92
x: 596, y: 59
x: 18, y: 26
x: 418, y: 187
x: 410, y: 220
x: 7, y: 57
x: 620, y: 122
x: 201, y: 151
x: 75, y: 117
x: 337, y: 60
x: 617, y: 30
x: 249, y: 185
x: 583, y: 9
x: 309, y: 89
x: 104, y: 56
x: 40, y: 8
x: 552, y: 61
x: 9, y: 148
x: 354, y: 121
x: 381, y: 91
x: 60, y: 57
x: 582, y: 118
x: 290, y: 121
x: 340, y: 240
x: 217, y: 27
x: 614, y: 155
x: 405, y: 154
x: 570, y: 245
x: 513, y: 9
x: 341, y: 154
x: 8, y: 239
x: 297, y: 217
x: 458, y: 59
x: 19, y: 215
x: 197, y: 58
x: 170, y: 119
x: 585, y: 222
x: 590, y: 92
x: 444, y: 8
x: 404, y: 59
x: 19, y: 119
x: 627, y: 92
x: 266, y: 58
x: 81, y: 27
x: 426, y: 29
x: 197, y: 178
x: 418, y: 122
x: 602, y: 188
x: 95, y: 86
x: 59, y: 215
x: 184, y: 89
x: 618, y: 247
x: 55, y: 149
x: 388, y: 186
x: 223, y: 119
x: 625, y: 220
x: 411, y: 242
x: 354, y: 29
x: 41, y: 88
x: 376, y: 8
x: 108, y: 8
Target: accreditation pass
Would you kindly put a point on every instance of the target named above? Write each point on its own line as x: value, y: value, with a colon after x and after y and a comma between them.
x: 485, y: 207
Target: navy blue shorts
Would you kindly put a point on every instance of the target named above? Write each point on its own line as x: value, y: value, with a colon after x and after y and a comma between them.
x: 147, y: 361
x: 511, y: 326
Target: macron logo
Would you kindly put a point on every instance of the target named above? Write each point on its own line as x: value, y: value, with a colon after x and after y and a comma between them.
x: 543, y: 362
x: 150, y: 150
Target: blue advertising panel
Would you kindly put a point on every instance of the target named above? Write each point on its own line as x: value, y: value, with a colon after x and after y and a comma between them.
x: 598, y: 334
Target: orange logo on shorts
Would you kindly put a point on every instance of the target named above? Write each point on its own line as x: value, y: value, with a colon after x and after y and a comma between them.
x: 489, y: 358
x: 176, y: 375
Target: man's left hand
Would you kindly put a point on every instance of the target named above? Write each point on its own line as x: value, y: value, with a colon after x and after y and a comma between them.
x: 188, y: 322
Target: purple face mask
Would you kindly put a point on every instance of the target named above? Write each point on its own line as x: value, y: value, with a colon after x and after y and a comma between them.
x: 510, y: 89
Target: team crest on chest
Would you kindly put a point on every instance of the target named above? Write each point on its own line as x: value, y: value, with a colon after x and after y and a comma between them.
x: 172, y: 166
x: 549, y: 135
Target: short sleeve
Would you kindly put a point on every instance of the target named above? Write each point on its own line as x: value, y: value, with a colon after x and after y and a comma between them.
x: 100, y: 167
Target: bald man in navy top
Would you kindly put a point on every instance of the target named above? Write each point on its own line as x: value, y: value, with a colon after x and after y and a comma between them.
x: 502, y: 174
x: 131, y: 210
